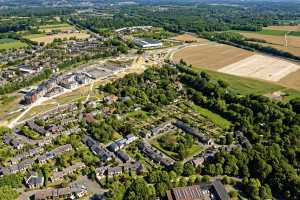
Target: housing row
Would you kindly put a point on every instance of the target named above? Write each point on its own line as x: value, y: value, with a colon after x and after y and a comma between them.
x: 102, y: 172
x: 156, y: 155
x: 56, y: 85
x: 34, y: 180
x: 172, y: 125
x: 95, y: 147
x: 42, y: 159
x: 72, y: 192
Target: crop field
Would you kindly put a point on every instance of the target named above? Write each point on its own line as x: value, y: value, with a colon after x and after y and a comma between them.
x: 293, y: 41
x: 49, y: 38
x: 56, y: 27
x: 11, y: 44
x: 277, y: 42
x: 283, y: 28
x: 249, y: 72
x: 211, y: 56
x: 189, y: 38
x: 261, y: 67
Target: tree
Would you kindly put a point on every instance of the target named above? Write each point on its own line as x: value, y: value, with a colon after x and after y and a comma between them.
x: 205, y: 178
x: 229, y: 138
x: 178, y: 168
x: 188, y: 169
x: 7, y: 193
x: 139, y: 190
x: 117, y: 191
x: 233, y: 194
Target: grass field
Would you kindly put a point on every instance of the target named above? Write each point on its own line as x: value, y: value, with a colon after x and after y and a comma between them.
x: 215, y: 118
x: 283, y: 28
x: 244, y: 85
x: 273, y: 32
x: 55, y: 27
x: 172, y: 137
x: 11, y: 44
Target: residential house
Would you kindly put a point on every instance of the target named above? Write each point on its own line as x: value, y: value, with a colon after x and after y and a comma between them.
x: 32, y: 125
x: 123, y: 156
x: 60, y: 175
x: 186, y: 128
x: 155, y: 155
x: 96, y: 149
x: 136, y: 167
x: 197, y: 161
x: 73, y: 192
x: 114, y: 171
x: 130, y: 138
x: 33, y: 180
x: 110, y: 99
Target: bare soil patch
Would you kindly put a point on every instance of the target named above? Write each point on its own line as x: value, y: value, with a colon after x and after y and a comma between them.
x: 261, y: 67
x: 211, y: 56
x: 189, y: 38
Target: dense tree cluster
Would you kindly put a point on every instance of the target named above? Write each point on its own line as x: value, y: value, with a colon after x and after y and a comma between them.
x: 272, y: 128
x: 182, y: 144
x: 152, y: 89
x: 193, y: 18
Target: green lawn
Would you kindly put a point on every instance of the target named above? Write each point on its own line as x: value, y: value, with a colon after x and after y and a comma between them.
x: 215, y: 118
x: 32, y: 36
x: 273, y: 32
x: 247, y: 86
x: 195, y: 149
x: 295, y: 33
x: 291, y: 94
x: 11, y: 44
x: 278, y: 32
x: 244, y: 85
x: 55, y: 26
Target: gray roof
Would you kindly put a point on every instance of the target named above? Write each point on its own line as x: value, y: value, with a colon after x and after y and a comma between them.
x: 220, y: 190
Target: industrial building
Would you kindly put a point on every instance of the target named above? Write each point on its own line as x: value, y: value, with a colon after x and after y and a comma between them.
x: 147, y: 43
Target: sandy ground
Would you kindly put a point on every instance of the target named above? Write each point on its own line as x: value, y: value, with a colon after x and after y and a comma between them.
x: 283, y: 28
x: 189, y: 38
x: 211, y: 56
x: 261, y: 67
x: 50, y: 38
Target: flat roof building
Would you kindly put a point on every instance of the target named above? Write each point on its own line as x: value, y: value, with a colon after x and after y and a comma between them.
x: 147, y: 43
x: 206, y: 191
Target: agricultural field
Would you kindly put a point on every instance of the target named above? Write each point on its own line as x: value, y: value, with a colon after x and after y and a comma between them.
x: 283, y: 28
x: 189, y: 38
x: 211, y: 56
x: 55, y: 27
x: 261, y: 67
x: 293, y: 41
x: 11, y: 44
x: 275, y: 37
x: 49, y: 38
x: 233, y: 62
